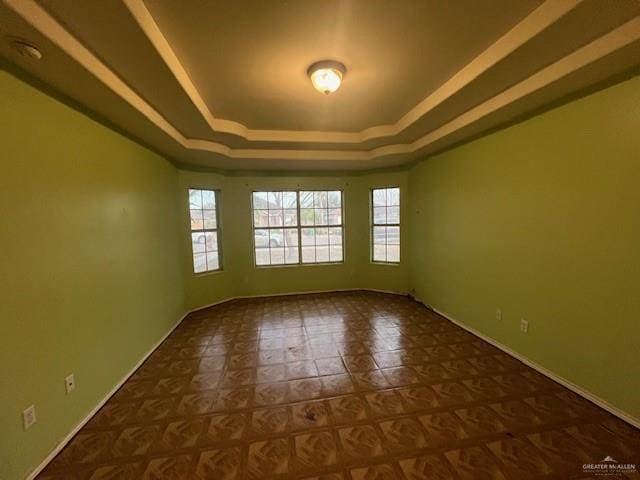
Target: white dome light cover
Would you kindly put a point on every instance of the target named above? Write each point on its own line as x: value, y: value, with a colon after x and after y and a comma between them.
x: 326, y: 76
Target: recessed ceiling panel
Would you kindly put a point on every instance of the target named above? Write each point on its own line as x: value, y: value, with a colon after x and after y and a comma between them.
x: 223, y: 85
x: 107, y: 29
x: 249, y: 59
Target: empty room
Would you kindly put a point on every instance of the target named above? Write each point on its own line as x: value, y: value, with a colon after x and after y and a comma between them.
x: 319, y: 240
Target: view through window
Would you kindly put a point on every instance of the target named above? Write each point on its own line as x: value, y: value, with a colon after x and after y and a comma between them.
x: 203, y: 210
x: 385, y: 215
x: 292, y: 227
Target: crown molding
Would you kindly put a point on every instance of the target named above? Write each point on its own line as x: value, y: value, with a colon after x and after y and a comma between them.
x: 625, y: 34
x: 538, y: 20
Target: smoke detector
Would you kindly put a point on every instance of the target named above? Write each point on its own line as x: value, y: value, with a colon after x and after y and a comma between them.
x: 26, y: 49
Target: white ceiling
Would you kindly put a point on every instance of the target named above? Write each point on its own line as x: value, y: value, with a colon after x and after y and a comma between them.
x: 223, y: 84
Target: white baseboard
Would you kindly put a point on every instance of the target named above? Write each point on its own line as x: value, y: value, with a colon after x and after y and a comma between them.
x: 540, y: 369
x: 63, y: 443
x: 287, y: 294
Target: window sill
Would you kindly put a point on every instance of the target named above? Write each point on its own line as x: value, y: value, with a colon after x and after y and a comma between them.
x: 210, y: 272
x: 297, y: 265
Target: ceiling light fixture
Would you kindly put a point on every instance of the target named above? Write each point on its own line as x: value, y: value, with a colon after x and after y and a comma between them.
x: 326, y: 76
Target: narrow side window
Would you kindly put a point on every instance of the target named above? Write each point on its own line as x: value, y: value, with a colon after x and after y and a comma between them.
x: 205, y: 241
x: 385, y: 225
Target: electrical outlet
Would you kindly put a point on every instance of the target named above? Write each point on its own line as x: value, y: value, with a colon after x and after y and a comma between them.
x: 70, y: 383
x: 29, y: 417
x: 498, y: 314
x: 524, y: 326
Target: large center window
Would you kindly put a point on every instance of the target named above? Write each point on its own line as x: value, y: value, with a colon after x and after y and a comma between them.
x: 294, y: 227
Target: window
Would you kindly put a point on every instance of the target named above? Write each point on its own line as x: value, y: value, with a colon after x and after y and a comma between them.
x: 275, y: 224
x: 321, y: 219
x: 385, y: 235
x: 203, y: 209
x: 297, y: 227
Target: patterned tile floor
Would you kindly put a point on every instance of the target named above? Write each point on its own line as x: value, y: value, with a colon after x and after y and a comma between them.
x: 344, y: 386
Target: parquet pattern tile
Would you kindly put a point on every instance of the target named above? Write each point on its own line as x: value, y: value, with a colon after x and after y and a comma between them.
x: 342, y: 386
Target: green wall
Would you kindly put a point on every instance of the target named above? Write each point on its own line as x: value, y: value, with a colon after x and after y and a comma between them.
x: 542, y: 220
x: 96, y: 260
x: 240, y: 277
x: 90, y: 275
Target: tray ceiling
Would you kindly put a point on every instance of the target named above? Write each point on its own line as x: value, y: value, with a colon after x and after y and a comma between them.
x: 224, y: 85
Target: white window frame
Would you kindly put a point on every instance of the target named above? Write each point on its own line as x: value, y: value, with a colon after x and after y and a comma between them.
x: 325, y: 225
x: 270, y: 228
x: 385, y: 224
x: 204, y: 231
x: 298, y: 227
